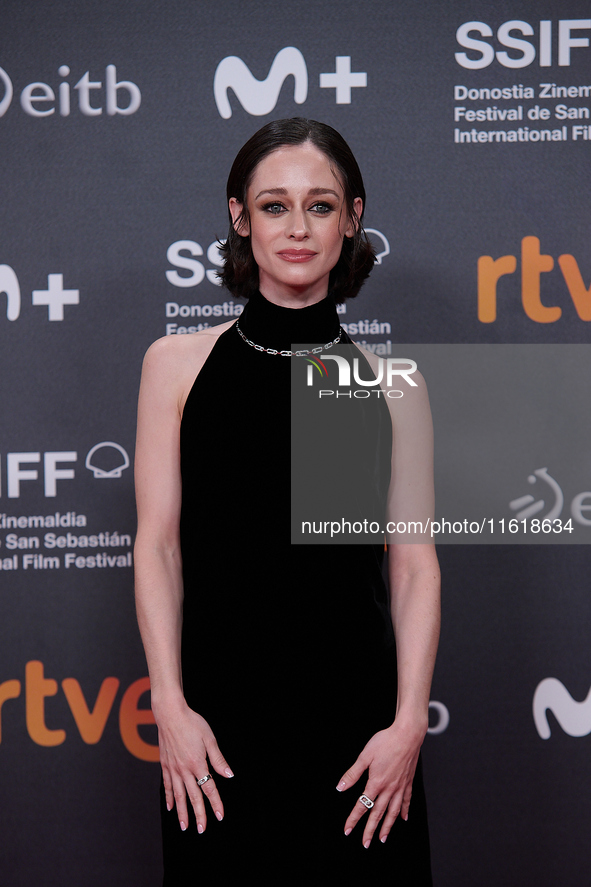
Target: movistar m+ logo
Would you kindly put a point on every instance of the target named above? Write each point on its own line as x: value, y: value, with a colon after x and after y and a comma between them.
x: 259, y: 97
x: 574, y: 717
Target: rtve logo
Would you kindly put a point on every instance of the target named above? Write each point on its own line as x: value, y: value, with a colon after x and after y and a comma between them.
x: 523, y: 52
x: 90, y: 719
x: 39, y: 99
x: 259, y: 97
x: 533, y: 265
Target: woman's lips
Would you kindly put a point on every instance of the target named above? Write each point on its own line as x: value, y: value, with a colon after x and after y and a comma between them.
x: 296, y: 255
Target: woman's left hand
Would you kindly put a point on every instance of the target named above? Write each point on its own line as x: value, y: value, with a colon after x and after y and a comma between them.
x: 391, y: 757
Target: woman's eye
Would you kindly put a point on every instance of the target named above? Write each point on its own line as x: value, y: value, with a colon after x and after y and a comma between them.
x: 322, y: 208
x: 273, y: 208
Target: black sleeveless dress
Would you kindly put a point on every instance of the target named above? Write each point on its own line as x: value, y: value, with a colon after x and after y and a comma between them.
x: 287, y: 650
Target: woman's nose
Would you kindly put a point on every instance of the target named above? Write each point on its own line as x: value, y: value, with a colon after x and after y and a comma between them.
x: 298, y: 224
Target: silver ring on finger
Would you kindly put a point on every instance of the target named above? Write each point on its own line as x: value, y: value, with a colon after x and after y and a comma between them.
x: 367, y: 802
x: 200, y: 782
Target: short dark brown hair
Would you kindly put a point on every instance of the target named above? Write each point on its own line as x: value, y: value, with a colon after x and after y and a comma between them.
x: 240, y: 272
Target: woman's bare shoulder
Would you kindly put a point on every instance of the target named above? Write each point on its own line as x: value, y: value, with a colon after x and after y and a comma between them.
x: 175, y: 352
x: 175, y: 361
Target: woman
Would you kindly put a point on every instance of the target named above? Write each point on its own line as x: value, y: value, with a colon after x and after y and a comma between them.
x: 273, y: 661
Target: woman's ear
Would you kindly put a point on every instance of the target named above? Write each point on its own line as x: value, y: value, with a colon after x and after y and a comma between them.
x: 241, y: 225
x: 353, y: 224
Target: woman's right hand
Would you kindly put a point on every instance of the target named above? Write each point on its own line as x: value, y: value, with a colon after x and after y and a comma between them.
x: 186, y: 744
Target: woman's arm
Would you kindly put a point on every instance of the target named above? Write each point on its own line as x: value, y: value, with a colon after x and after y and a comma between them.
x: 412, y: 562
x: 185, y: 738
x: 391, y: 755
x: 415, y: 607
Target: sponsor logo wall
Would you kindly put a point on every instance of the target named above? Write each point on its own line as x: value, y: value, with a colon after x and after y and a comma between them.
x: 472, y: 127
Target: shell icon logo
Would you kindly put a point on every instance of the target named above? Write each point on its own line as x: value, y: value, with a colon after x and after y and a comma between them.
x: 106, y: 472
x: 384, y: 245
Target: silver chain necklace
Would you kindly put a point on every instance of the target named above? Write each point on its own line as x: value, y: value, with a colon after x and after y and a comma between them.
x: 290, y: 353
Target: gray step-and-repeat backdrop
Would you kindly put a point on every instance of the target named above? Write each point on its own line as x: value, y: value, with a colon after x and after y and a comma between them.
x: 118, y: 124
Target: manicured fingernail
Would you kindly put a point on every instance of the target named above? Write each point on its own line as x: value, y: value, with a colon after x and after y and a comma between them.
x: 168, y: 807
x: 348, y: 831
x: 383, y: 840
x: 183, y: 827
x: 405, y: 818
x: 228, y: 772
x: 366, y: 845
x: 200, y: 829
x: 341, y: 786
x: 219, y: 815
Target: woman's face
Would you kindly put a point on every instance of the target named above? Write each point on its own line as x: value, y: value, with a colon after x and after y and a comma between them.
x: 298, y: 219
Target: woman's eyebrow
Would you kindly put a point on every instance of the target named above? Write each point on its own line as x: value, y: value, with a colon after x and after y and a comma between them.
x: 323, y: 191
x: 271, y: 191
x: 283, y: 191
